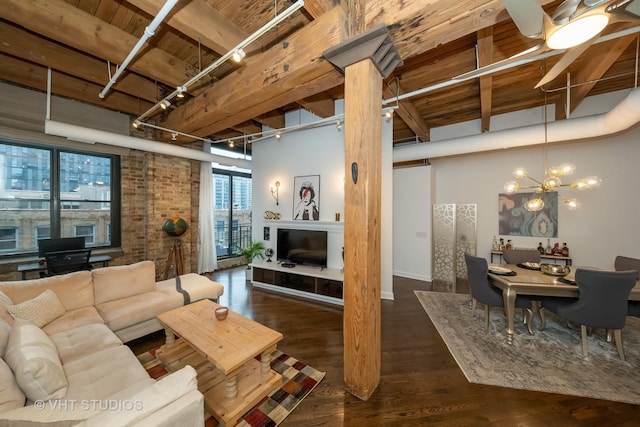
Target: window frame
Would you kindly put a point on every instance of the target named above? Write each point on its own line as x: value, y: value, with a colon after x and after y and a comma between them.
x: 230, y: 229
x: 56, y: 199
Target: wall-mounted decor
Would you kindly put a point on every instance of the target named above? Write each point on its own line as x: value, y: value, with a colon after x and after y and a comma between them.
x: 515, y: 220
x: 306, y: 198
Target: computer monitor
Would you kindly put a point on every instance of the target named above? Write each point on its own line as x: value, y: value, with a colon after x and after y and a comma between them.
x: 62, y: 244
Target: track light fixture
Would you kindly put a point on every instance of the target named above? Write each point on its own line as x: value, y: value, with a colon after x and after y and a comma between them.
x: 230, y: 143
x: 181, y: 90
x: 278, y: 135
x: 388, y: 115
x: 165, y: 104
x: 174, y: 136
x: 238, y: 54
x: 136, y: 124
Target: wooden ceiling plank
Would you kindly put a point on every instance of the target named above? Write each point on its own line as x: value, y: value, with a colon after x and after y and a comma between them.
x: 277, y: 74
x: 316, y: 8
x: 199, y: 21
x: 20, y: 43
x: 274, y: 119
x: 68, y: 25
x: 601, y: 57
x: 320, y: 104
x: 485, y: 57
x: 35, y: 76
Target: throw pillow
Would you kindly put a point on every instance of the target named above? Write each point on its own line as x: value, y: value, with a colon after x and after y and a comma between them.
x: 34, y: 360
x: 5, y: 330
x: 40, y: 310
x: 11, y: 396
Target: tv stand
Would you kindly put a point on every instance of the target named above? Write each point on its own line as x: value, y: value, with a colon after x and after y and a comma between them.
x: 320, y: 284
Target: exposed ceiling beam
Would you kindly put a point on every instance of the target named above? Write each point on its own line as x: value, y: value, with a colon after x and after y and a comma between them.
x: 282, y: 75
x: 317, y: 8
x: 485, y: 57
x: 320, y: 104
x: 65, y: 23
x: 199, y: 21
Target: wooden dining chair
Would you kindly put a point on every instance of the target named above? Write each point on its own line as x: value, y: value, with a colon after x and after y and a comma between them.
x: 602, y: 303
x: 623, y: 263
x: 483, y: 292
x: 518, y: 256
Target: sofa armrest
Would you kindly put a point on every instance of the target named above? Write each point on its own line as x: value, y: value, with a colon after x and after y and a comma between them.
x: 167, y: 391
x: 197, y: 287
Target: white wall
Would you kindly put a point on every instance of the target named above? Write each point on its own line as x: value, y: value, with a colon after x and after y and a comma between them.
x: 412, y: 222
x: 317, y: 151
x: 604, y: 226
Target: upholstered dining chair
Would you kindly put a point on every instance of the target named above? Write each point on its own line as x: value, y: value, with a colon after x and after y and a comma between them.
x: 623, y: 263
x: 518, y: 256
x: 483, y: 292
x: 602, y: 303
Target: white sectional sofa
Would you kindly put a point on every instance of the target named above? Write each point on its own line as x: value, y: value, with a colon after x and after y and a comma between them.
x: 62, y: 357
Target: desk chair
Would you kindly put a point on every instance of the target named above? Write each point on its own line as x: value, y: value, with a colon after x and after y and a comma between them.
x: 623, y: 263
x: 482, y: 291
x: 63, y: 262
x: 518, y: 256
x: 602, y: 303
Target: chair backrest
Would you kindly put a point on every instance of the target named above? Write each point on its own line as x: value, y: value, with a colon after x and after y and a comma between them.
x: 63, y: 262
x: 603, y: 297
x: 477, y: 274
x: 623, y: 263
x: 518, y: 256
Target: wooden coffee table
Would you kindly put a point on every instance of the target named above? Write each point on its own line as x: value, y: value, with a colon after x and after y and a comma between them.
x: 223, y: 352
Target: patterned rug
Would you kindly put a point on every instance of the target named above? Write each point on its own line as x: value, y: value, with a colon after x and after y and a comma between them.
x: 549, y: 361
x: 298, y: 380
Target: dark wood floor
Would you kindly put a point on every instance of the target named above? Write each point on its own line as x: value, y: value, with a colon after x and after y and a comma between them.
x: 420, y: 384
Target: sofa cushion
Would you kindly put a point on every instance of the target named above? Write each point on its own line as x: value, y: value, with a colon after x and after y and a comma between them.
x: 77, y: 343
x: 75, y: 290
x: 10, y: 394
x: 196, y: 286
x: 113, y: 283
x: 5, y: 330
x: 125, y: 312
x: 40, y: 310
x: 74, y: 319
x: 103, y: 374
x: 34, y: 360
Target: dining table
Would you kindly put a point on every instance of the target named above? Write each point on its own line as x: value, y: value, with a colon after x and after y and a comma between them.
x: 516, y: 280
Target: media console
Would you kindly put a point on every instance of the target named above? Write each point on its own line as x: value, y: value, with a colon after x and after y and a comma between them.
x: 308, y: 282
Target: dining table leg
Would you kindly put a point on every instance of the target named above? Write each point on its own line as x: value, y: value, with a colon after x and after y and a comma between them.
x: 509, y: 296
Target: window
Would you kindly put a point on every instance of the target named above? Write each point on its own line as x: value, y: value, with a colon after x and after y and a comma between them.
x: 232, y: 211
x: 8, y: 238
x: 54, y: 192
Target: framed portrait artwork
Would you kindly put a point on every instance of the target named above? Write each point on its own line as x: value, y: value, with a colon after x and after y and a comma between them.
x: 306, y: 198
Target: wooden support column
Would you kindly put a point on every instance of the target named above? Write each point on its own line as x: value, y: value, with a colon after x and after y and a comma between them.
x: 363, y: 152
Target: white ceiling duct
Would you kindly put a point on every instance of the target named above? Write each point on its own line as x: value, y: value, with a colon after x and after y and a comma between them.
x: 88, y: 135
x: 621, y: 117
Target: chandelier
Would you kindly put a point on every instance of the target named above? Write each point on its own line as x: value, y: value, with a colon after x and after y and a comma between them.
x: 551, y: 183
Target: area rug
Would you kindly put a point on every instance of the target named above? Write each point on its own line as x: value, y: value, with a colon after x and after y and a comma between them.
x: 548, y: 361
x: 298, y: 380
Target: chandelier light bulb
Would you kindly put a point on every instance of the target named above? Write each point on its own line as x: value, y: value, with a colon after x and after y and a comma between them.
x: 592, y: 181
x: 554, y: 170
x: 552, y: 182
x: 511, y: 187
x: 534, y: 205
x: 566, y: 169
x: 520, y: 173
x: 571, y: 204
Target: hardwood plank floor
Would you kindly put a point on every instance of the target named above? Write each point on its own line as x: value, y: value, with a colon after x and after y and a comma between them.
x: 420, y: 384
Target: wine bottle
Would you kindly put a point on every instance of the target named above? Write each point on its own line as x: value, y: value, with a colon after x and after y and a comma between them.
x: 540, y: 248
x: 548, y: 249
x: 565, y: 250
x: 494, y: 244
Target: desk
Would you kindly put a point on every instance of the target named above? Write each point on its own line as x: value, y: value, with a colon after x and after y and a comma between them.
x: 567, y: 260
x: 37, y: 267
x: 533, y: 282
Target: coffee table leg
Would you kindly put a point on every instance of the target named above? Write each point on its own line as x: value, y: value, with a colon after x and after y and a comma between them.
x: 170, y: 337
x: 265, y: 360
x: 230, y: 388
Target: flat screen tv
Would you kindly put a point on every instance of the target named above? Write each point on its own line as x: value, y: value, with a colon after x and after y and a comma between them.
x: 57, y: 245
x: 305, y: 247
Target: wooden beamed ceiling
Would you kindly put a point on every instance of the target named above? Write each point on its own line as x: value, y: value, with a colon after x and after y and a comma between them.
x: 83, y: 41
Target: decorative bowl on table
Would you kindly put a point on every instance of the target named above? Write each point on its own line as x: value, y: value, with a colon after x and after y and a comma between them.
x: 555, y: 269
x: 221, y: 313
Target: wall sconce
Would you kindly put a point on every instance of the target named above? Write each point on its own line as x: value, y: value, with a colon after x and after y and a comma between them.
x: 274, y: 191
